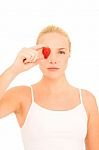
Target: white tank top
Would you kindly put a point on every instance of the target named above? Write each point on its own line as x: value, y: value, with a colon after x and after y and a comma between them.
x: 46, y: 129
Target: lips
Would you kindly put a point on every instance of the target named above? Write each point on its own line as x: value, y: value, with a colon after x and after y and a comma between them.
x: 53, y: 69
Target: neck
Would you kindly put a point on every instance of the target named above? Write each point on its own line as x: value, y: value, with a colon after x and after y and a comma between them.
x: 54, y: 85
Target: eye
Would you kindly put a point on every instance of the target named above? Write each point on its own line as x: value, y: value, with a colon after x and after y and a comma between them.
x: 61, y: 52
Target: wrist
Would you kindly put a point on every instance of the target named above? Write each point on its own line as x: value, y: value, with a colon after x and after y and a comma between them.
x: 13, y: 71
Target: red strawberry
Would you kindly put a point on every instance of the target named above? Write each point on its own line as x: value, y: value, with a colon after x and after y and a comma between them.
x: 46, y: 51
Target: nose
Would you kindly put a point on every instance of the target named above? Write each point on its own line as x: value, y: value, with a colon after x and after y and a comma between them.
x: 52, y: 62
x: 52, y: 58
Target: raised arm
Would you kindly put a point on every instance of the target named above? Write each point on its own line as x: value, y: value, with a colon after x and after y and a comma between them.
x: 26, y: 59
x: 5, y: 79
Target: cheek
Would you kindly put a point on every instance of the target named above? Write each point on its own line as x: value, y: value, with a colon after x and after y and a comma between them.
x: 63, y: 57
x: 42, y: 65
x: 64, y: 60
x: 64, y: 63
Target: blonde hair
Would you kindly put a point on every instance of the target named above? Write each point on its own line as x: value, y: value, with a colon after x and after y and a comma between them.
x: 51, y: 29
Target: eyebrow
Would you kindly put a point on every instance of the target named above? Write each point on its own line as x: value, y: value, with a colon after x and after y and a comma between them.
x: 61, y: 48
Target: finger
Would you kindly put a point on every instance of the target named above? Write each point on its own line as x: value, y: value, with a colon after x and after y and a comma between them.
x: 38, y: 61
x: 39, y: 46
x: 27, y: 59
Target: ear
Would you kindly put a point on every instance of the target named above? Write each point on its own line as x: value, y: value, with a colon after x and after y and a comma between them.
x: 69, y: 52
x: 69, y: 55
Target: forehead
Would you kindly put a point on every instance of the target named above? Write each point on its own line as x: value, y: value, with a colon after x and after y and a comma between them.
x: 54, y: 40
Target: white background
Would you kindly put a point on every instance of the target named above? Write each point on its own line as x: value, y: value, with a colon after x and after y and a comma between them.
x: 20, y: 23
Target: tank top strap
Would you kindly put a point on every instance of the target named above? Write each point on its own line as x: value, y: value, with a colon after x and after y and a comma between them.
x: 32, y: 94
x: 80, y: 93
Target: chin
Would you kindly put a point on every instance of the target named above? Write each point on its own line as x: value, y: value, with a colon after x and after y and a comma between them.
x: 53, y: 76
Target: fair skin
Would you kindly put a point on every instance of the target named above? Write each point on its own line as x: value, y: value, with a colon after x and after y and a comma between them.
x: 53, y: 91
x: 16, y: 68
x: 5, y: 79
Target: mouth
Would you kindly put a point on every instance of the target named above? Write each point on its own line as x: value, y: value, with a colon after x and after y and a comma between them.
x: 53, y: 69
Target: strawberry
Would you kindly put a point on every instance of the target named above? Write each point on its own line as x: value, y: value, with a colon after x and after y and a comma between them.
x: 46, y: 51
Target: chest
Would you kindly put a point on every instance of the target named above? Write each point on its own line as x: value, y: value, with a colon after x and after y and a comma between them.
x: 58, y: 101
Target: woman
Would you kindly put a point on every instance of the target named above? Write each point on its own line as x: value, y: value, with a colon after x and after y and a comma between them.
x: 52, y: 114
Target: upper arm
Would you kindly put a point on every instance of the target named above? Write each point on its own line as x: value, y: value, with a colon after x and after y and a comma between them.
x: 92, y: 138
x: 10, y: 102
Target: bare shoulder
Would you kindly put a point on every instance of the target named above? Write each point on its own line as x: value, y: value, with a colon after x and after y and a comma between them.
x: 14, y: 99
x: 17, y: 95
x: 18, y: 92
x: 90, y: 101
